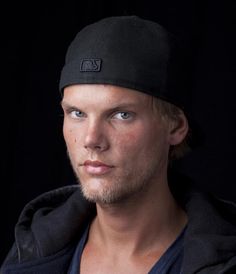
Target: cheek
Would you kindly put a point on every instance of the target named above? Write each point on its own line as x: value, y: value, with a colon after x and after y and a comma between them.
x: 70, y: 135
x: 130, y: 143
x: 143, y: 142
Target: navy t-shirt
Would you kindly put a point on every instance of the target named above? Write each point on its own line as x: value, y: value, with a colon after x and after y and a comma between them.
x: 169, y: 263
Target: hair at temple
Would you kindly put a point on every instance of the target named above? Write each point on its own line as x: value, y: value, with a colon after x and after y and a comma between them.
x: 170, y: 112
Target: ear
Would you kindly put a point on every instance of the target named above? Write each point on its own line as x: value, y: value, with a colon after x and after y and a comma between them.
x: 178, y: 129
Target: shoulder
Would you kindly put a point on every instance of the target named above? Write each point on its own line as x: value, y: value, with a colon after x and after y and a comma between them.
x: 50, y: 223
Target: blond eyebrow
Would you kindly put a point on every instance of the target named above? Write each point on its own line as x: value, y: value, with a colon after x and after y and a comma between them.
x: 64, y: 104
x: 123, y: 105
x: 67, y: 105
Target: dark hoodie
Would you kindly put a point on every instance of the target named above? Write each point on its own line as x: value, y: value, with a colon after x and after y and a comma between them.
x: 51, y: 225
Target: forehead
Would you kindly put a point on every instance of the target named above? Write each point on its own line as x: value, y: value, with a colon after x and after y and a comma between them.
x: 100, y: 94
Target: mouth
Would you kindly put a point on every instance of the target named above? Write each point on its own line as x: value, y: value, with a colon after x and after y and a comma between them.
x: 96, y: 167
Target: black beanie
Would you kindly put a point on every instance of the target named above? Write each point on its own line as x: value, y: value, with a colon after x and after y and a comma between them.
x: 131, y: 52
x: 135, y: 53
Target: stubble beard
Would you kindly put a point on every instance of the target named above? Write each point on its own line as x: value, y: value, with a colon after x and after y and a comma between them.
x: 121, y: 188
x: 124, y: 186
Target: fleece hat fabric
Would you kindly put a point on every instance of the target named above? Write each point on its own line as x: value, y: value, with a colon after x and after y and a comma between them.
x: 131, y: 52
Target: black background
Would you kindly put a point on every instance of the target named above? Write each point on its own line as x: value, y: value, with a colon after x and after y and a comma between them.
x: 34, y: 39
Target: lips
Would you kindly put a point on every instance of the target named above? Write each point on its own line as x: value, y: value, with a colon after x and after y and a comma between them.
x: 96, y: 167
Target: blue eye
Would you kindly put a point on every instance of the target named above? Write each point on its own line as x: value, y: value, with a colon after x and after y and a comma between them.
x: 123, y: 115
x: 76, y: 114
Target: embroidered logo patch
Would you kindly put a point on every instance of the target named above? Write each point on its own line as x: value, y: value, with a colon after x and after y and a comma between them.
x: 90, y: 65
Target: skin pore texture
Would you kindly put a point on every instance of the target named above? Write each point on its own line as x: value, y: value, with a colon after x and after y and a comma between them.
x: 118, y: 146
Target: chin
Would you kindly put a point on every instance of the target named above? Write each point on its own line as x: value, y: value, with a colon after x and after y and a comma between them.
x: 100, y: 194
x: 108, y: 196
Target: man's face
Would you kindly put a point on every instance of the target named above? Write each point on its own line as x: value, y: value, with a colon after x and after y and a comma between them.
x: 117, y: 142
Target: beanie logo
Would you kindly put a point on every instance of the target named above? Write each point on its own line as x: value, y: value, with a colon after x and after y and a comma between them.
x: 92, y: 64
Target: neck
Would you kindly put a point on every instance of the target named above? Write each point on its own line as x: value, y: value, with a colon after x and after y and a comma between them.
x: 148, y: 219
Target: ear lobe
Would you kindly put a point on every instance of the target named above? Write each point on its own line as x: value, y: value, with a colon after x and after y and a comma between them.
x: 179, y: 129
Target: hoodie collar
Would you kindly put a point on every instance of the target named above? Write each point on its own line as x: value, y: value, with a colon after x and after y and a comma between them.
x: 57, y: 218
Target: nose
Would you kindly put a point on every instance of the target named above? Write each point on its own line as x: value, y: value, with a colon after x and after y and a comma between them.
x: 95, y: 138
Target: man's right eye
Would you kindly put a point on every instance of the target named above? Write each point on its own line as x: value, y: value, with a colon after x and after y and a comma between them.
x: 75, y: 114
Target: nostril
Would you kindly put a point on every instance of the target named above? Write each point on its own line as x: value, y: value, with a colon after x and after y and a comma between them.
x: 97, y: 147
x: 101, y: 146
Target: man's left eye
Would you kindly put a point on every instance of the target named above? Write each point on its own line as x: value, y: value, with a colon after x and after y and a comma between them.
x: 123, y: 115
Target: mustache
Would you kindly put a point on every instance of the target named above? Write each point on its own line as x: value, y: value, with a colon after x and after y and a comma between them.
x: 93, y: 157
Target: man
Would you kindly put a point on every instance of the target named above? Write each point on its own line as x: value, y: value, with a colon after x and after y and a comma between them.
x: 125, y: 118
